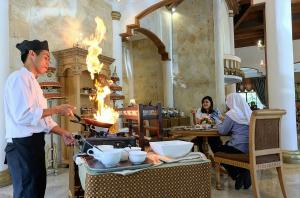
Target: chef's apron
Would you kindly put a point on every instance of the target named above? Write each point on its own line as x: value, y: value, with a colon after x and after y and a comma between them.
x: 26, y: 162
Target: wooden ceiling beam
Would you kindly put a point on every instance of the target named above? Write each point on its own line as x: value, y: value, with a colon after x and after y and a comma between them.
x: 295, y: 8
x: 249, y: 29
x: 296, y: 29
x: 174, y: 5
x: 245, y: 44
x: 243, y: 17
x: 243, y: 2
x: 249, y: 12
x: 253, y: 23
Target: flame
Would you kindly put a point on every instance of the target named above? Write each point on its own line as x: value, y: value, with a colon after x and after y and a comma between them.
x: 104, y: 113
x: 94, y: 50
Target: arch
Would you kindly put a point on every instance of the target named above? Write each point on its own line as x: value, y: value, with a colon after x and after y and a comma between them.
x: 155, y: 39
x: 158, y: 43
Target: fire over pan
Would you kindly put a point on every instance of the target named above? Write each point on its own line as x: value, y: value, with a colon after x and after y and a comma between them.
x: 90, y: 121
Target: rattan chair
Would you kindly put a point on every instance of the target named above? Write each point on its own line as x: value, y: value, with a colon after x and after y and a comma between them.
x: 264, y: 148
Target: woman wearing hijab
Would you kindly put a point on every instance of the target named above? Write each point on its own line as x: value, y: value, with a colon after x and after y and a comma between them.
x: 236, y: 124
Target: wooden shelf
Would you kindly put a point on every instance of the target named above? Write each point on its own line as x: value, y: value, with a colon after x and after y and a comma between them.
x: 115, y: 96
x: 85, y: 94
x: 50, y: 85
x: 51, y: 69
x: 53, y: 96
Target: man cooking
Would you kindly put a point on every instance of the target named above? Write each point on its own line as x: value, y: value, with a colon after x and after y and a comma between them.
x: 28, y: 119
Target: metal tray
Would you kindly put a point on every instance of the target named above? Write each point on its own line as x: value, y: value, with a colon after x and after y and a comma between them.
x: 96, y: 166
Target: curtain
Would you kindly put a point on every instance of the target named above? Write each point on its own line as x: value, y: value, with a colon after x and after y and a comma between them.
x: 259, y: 85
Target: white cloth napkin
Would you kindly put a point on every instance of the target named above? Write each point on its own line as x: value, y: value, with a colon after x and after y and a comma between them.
x: 188, y: 157
x: 79, y: 161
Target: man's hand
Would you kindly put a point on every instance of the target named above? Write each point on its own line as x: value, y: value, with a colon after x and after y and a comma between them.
x: 68, y: 138
x: 65, y: 109
x: 66, y: 135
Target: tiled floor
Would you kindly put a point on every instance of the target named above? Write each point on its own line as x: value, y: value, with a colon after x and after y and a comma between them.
x: 268, y: 183
x: 57, y: 186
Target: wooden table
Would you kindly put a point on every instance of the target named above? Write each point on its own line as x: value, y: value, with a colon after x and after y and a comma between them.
x: 205, y: 133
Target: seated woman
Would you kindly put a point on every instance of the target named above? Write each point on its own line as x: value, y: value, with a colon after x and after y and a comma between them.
x: 236, y: 124
x: 207, y: 112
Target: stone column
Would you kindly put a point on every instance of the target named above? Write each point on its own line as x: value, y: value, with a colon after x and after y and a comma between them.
x: 219, y: 63
x: 117, y: 50
x: 117, y: 46
x: 232, y: 87
x: 280, y: 66
x: 231, y: 27
x: 4, y: 71
x: 117, y: 43
x: 168, y: 64
x: 168, y: 84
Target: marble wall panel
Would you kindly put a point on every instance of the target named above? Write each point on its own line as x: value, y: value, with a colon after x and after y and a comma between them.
x: 59, y: 21
x: 194, y: 66
x: 148, y: 75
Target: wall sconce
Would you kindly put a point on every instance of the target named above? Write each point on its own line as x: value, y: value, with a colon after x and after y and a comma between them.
x: 260, y: 44
x: 262, y: 63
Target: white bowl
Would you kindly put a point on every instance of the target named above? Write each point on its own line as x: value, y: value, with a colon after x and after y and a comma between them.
x: 96, y: 153
x: 129, y: 149
x: 111, y: 158
x: 173, y: 149
x: 124, y: 154
x: 137, y: 157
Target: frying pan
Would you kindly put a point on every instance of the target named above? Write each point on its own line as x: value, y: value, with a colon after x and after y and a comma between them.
x: 90, y: 121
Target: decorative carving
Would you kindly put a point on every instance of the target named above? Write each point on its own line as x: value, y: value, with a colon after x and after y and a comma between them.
x: 232, y: 65
x: 75, y: 60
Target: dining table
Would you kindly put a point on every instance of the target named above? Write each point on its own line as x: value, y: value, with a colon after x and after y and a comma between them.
x: 190, y: 131
x: 157, y: 177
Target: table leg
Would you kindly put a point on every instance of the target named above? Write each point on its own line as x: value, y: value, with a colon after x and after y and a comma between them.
x: 205, y: 146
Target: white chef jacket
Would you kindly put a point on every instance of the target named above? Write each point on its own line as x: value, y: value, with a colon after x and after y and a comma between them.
x: 23, y: 106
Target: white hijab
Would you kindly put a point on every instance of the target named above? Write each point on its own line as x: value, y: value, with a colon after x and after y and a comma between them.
x: 240, y: 111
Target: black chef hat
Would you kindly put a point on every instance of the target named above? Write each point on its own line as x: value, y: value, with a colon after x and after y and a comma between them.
x: 32, y: 45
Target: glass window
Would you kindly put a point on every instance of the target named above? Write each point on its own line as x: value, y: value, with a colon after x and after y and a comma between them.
x: 252, y: 97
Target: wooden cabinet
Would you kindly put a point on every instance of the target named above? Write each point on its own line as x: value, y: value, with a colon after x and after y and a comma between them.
x: 73, y: 75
